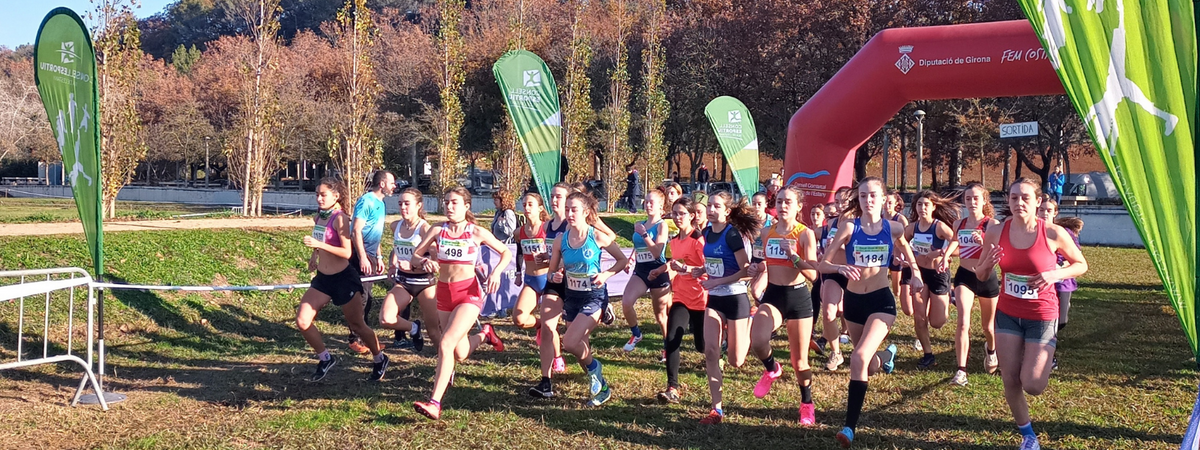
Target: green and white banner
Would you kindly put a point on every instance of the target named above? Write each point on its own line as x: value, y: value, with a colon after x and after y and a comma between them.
x: 734, y: 127
x: 65, y: 72
x: 532, y: 98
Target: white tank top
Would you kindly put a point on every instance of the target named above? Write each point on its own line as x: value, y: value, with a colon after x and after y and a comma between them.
x: 404, y: 246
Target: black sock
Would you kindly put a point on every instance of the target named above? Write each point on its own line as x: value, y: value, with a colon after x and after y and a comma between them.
x: 806, y: 394
x: 1061, y: 325
x: 854, y: 402
x: 769, y: 363
x: 545, y: 379
x: 928, y: 354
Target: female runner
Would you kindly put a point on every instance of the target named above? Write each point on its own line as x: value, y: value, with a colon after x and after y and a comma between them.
x: 1048, y: 212
x: 689, y: 298
x: 410, y: 281
x: 870, y: 242
x: 577, y: 253
x: 967, y: 288
x: 932, y: 242
x: 649, y: 250
x: 899, y: 272
x: 790, y: 265
x: 726, y: 257
x: 833, y: 285
x: 1027, y: 313
x: 336, y: 280
x: 459, y: 296
x: 758, y: 282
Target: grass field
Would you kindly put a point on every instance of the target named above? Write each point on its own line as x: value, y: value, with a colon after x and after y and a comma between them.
x: 30, y: 210
x: 230, y: 370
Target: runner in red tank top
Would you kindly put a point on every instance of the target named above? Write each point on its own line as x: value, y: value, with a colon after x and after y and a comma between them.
x: 1024, y: 247
x: 970, y: 232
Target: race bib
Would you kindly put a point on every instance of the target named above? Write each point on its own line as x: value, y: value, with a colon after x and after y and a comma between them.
x: 644, y: 257
x: 776, y: 246
x: 579, y: 281
x: 715, y: 267
x: 966, y: 238
x: 533, y: 246
x: 455, y: 250
x: 829, y: 237
x: 922, y: 243
x: 871, y: 255
x: 759, y: 251
x: 319, y: 233
x: 1018, y: 286
x: 404, y: 249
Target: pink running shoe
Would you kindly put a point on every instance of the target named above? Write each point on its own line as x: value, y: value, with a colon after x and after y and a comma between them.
x: 764, y: 384
x: 808, y: 414
x: 489, y: 336
x: 560, y: 366
x: 430, y: 409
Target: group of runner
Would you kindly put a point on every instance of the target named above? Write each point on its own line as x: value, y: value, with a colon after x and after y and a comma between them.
x: 702, y: 262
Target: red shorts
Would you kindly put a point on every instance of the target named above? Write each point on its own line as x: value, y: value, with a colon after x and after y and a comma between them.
x: 457, y: 293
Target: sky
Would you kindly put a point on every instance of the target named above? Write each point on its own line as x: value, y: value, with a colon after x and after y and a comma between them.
x: 20, y: 18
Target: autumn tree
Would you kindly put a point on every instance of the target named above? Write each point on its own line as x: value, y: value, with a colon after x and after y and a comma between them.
x: 24, y: 130
x: 578, y: 113
x: 509, y: 163
x: 254, y: 165
x: 616, y: 115
x: 654, y: 62
x: 451, y: 55
x: 353, y: 146
x: 118, y: 55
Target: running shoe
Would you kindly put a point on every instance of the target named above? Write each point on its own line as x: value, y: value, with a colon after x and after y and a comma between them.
x: 823, y: 344
x: 402, y: 343
x: 927, y: 361
x: 632, y: 344
x: 671, y: 395
x: 990, y: 363
x: 808, y: 414
x: 323, y: 369
x: 489, y: 336
x: 813, y: 346
x: 768, y: 378
x: 429, y: 409
x: 845, y: 437
x: 542, y: 390
x: 601, y: 397
x: 834, y: 361
x: 418, y: 338
x: 608, y: 316
x: 889, y: 365
x: 845, y: 339
x: 662, y: 358
x: 712, y: 418
x: 357, y: 347
x: 917, y: 346
x: 1054, y: 363
x: 560, y: 366
x: 595, y: 380
x: 378, y: 369
x: 960, y: 378
x: 1030, y: 443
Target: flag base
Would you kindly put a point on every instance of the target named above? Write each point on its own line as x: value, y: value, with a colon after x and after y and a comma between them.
x: 109, y: 397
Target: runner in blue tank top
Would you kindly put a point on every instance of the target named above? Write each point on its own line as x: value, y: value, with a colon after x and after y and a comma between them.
x: 870, y: 309
x: 933, y: 243
x: 550, y: 308
x: 833, y: 285
x: 726, y: 260
x: 577, y: 254
x: 649, y: 250
x: 758, y: 283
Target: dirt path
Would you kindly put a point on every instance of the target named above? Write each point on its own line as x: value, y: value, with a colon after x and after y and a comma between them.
x: 41, y: 229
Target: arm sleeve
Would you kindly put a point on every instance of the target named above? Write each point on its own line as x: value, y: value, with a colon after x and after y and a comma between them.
x: 734, y: 240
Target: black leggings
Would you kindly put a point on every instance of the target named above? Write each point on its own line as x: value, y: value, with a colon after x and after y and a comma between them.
x: 678, y: 319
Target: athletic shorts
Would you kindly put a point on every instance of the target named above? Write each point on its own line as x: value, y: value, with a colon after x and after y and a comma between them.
x: 893, y: 267
x: 340, y: 286
x: 1034, y: 331
x: 556, y: 289
x: 816, y: 293
x: 414, y: 283
x: 642, y: 270
x: 989, y: 288
x: 938, y: 282
x: 794, y: 302
x: 535, y: 282
x: 906, y: 275
x: 452, y: 294
x: 733, y: 307
x: 858, y: 308
x: 837, y: 278
x: 583, y: 302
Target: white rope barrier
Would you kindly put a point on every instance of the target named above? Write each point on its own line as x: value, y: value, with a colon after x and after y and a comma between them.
x: 275, y: 287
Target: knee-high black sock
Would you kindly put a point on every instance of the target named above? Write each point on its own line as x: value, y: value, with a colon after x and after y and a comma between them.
x: 854, y: 402
x: 769, y: 363
x: 805, y: 379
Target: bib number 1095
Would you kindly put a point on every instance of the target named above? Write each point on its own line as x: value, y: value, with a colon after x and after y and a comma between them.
x: 1018, y: 286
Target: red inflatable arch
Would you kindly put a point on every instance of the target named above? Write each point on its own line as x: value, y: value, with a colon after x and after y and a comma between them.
x: 900, y: 65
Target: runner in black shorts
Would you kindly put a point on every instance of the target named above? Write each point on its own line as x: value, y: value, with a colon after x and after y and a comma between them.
x: 933, y: 243
x: 411, y: 282
x: 899, y: 272
x: 970, y: 234
x: 833, y: 285
x: 790, y: 257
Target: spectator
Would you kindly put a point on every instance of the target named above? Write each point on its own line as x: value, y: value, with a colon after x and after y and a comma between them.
x: 633, y: 185
x: 1057, y: 180
x: 366, y: 234
x: 675, y: 176
x: 773, y: 187
x: 504, y: 224
x: 702, y: 178
x: 504, y: 227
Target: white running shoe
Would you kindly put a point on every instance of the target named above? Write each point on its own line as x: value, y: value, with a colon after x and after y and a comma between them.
x: 1030, y: 443
x: 833, y: 362
x: 632, y: 344
x: 845, y: 339
x: 917, y: 345
x: 990, y: 363
x: 960, y: 378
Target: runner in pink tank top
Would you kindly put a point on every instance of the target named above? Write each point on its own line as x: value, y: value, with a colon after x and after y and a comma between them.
x: 1024, y: 247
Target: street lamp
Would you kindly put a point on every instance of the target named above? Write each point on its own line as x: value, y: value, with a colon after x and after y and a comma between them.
x: 920, y: 147
x: 887, y: 148
x: 207, y: 170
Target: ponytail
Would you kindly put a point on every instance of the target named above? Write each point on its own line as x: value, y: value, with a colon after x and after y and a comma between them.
x: 741, y: 216
x: 944, y: 209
